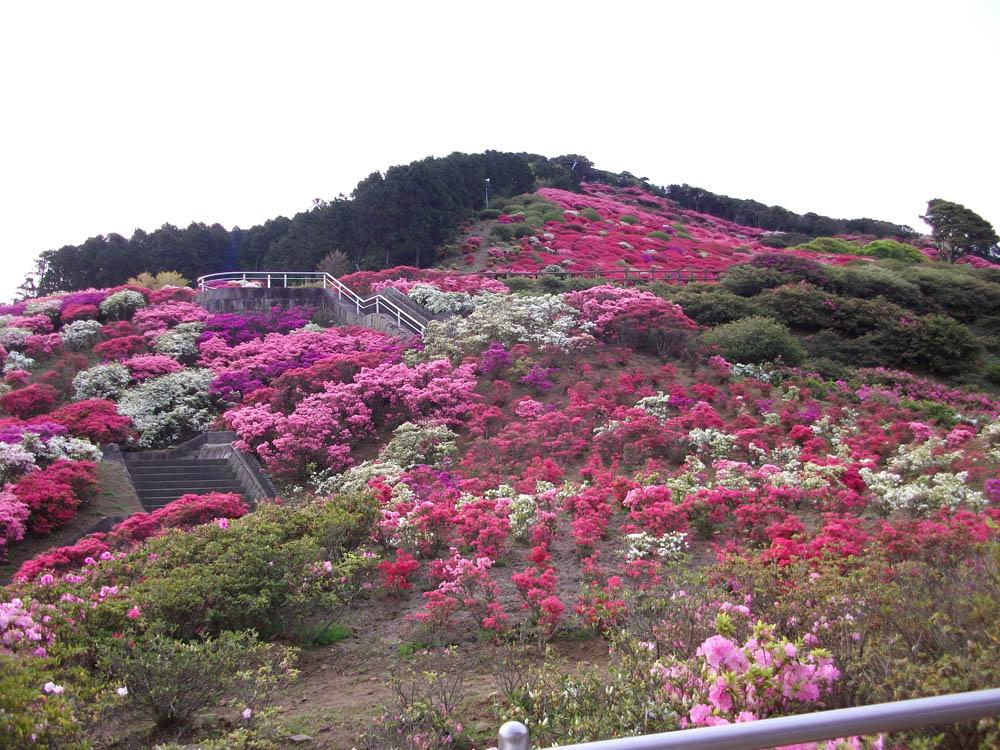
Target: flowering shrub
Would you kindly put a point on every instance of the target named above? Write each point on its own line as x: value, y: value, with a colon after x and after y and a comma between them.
x: 151, y: 366
x: 13, y: 514
x: 121, y: 347
x: 30, y: 400
x: 54, y: 493
x: 101, y: 382
x: 80, y: 334
x: 167, y: 315
x: 465, y: 585
x: 170, y: 408
x: 122, y: 305
x: 180, y: 342
x: 185, y: 512
x: 438, y: 302
x: 96, y: 420
x: 544, y: 321
x: 78, y: 312
x: 634, y: 318
x: 323, y: 426
x: 404, y: 278
x: 239, y: 328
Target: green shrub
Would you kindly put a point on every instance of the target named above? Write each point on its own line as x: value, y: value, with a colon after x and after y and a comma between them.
x: 712, y: 305
x: 934, y: 343
x: 589, y: 213
x: 870, y: 280
x: 993, y: 374
x: 28, y: 717
x: 628, y: 219
x: 781, y: 240
x: 748, y: 281
x: 656, y: 234
x: 171, y: 681
x: 959, y: 292
x: 829, y: 245
x: 944, y: 346
x: 489, y: 213
x: 803, y: 307
x: 279, y: 570
x: 892, y: 249
x: 755, y: 340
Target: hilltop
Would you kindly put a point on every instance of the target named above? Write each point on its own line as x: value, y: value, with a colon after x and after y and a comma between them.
x: 406, y: 216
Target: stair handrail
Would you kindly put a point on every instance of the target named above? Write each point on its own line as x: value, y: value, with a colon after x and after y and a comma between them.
x: 383, y: 305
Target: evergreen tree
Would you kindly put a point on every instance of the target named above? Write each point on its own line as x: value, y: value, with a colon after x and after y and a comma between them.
x: 959, y: 231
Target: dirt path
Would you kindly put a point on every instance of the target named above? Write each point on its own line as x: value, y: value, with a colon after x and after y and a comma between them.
x: 343, y: 688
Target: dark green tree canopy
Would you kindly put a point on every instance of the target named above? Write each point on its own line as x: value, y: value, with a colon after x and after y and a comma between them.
x: 400, y: 217
x: 959, y: 231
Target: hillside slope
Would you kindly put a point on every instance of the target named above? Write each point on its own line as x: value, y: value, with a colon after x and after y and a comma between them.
x: 579, y: 469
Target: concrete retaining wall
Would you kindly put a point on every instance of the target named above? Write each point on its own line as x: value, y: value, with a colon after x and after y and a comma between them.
x: 252, y: 299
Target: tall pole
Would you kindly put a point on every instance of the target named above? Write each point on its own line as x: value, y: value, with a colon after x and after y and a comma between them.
x: 487, y: 193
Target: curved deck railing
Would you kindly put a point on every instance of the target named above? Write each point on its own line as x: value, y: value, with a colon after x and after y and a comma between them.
x: 786, y: 730
x: 376, y: 304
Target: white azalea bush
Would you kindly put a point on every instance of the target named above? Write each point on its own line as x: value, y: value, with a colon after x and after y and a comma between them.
x: 543, y: 320
x: 60, y: 447
x: 180, y: 342
x: 419, y: 443
x: 170, y: 408
x: 438, y: 302
x: 669, y: 547
x: 122, y: 305
x: 80, y: 334
x: 101, y: 381
x: 17, y: 361
x: 917, y: 481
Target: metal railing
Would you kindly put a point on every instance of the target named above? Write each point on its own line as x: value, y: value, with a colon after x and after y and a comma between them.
x: 786, y: 730
x: 376, y: 304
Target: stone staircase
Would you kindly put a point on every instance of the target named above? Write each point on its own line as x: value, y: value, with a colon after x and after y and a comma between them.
x: 205, y: 464
x: 157, y: 482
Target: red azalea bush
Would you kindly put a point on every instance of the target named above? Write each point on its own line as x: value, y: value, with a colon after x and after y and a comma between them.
x: 171, y: 294
x: 54, y: 493
x: 78, y: 311
x: 121, y: 347
x: 29, y: 401
x: 95, y: 419
x: 185, y: 512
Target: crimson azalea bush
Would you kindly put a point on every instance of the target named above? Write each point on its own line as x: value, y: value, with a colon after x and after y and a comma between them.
x: 54, y: 493
x: 96, y: 419
x: 30, y: 400
x: 187, y: 511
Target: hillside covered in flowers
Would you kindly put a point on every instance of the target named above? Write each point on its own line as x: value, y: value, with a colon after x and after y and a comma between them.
x: 730, y: 505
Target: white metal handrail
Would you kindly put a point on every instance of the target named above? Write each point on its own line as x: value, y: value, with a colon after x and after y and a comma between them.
x: 378, y: 304
x: 788, y: 730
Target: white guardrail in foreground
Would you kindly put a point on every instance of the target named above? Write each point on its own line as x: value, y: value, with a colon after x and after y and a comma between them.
x: 376, y: 304
x: 787, y: 730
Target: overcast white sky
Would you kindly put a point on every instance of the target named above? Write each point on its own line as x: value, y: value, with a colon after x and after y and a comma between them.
x: 133, y: 114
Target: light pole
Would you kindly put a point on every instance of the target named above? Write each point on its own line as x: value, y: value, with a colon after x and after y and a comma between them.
x: 487, y: 193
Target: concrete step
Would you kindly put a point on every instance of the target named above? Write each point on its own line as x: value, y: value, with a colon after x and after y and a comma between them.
x: 173, y: 471
x: 176, y: 462
x: 189, y: 486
